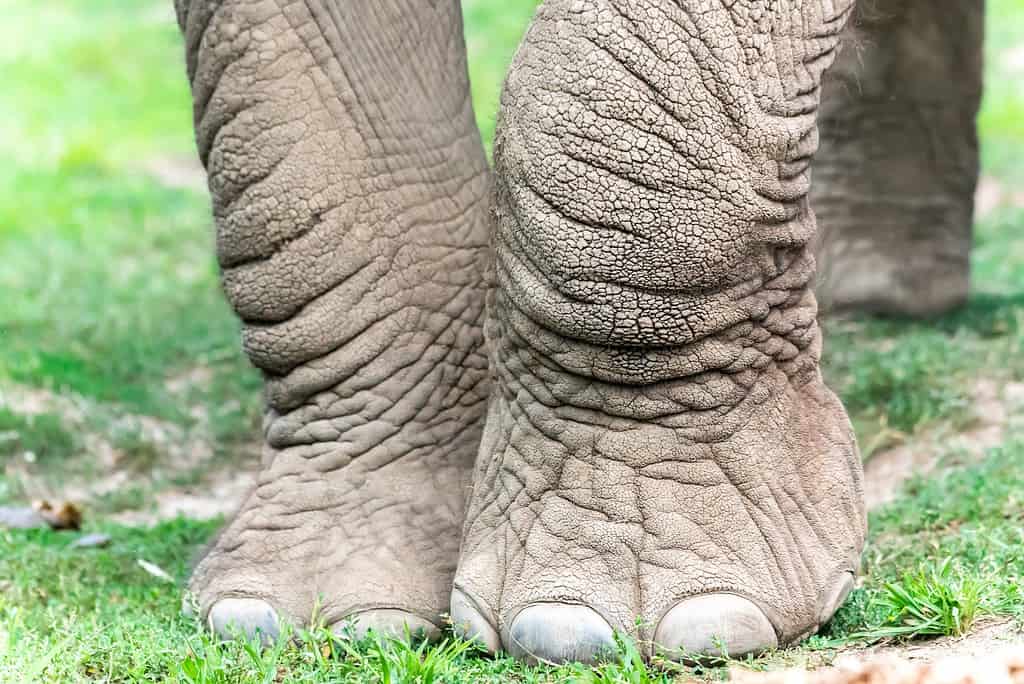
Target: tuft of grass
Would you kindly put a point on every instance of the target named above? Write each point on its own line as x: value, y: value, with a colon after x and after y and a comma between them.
x: 628, y: 667
x: 943, y: 556
x: 934, y: 600
x: 905, y: 385
x: 397, y: 662
x: 987, y: 492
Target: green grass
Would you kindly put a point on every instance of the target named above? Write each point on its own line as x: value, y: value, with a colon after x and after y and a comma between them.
x: 944, y: 556
x: 897, y: 377
x: 1002, y: 113
x: 42, y: 438
x: 948, y: 552
x: 118, y: 309
x: 493, y: 30
x: 116, y: 281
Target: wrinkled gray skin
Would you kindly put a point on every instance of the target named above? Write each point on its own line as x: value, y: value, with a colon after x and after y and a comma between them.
x: 617, y: 325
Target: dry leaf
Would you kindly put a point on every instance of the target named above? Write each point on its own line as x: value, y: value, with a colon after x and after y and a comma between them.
x: 64, y: 516
x: 91, y: 541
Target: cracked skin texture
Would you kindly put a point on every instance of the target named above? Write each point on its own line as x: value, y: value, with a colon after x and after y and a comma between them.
x: 658, y: 442
x: 349, y: 194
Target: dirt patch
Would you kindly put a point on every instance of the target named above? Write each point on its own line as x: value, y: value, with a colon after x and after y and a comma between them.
x: 993, y: 195
x: 220, y: 494
x: 982, y: 641
x: 178, y: 172
x: 106, y: 469
x: 993, y: 405
x: 993, y: 654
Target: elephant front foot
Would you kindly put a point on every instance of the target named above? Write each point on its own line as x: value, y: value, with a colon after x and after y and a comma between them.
x: 717, y: 513
x: 661, y: 457
x: 352, y: 543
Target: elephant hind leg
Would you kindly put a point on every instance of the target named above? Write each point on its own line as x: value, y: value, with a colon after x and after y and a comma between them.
x: 897, y: 168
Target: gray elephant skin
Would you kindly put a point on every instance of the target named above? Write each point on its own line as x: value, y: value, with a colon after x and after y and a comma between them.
x: 578, y: 393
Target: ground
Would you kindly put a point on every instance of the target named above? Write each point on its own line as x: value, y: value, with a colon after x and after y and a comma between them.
x: 122, y: 386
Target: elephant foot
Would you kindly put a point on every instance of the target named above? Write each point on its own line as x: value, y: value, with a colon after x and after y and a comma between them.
x: 715, y: 513
x: 881, y: 268
x: 897, y: 167
x: 349, y: 188
x: 359, y: 544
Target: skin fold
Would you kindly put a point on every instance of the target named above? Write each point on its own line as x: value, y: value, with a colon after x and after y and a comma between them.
x: 576, y: 398
x: 349, y: 189
x: 659, y: 430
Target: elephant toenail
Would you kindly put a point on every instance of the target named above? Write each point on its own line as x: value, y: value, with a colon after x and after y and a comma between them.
x: 714, y: 625
x: 468, y: 622
x: 390, y: 622
x: 247, y: 618
x: 556, y: 633
x: 834, y: 600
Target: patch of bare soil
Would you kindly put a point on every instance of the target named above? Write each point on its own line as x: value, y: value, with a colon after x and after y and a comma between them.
x: 993, y: 195
x: 993, y: 406
x: 992, y: 637
x: 177, y: 172
x: 104, y: 470
x: 219, y: 494
x: 990, y: 655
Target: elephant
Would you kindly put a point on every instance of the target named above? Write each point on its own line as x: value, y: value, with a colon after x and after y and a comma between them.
x: 576, y: 394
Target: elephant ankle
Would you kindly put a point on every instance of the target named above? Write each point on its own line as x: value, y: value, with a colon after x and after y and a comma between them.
x: 707, y: 388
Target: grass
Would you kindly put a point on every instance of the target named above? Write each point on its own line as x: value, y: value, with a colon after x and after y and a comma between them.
x: 1002, y: 114
x: 40, y: 439
x: 897, y: 377
x: 950, y: 551
x: 941, y: 559
x: 119, y: 313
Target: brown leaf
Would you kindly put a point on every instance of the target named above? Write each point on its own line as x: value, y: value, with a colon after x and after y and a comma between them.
x: 62, y: 516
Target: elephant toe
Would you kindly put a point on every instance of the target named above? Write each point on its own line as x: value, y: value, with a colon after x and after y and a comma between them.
x: 247, y: 618
x: 714, y: 625
x: 836, y: 598
x: 468, y: 622
x: 558, y: 633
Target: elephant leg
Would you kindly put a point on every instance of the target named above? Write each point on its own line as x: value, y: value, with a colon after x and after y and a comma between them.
x: 661, y: 456
x: 349, y: 187
x: 896, y: 173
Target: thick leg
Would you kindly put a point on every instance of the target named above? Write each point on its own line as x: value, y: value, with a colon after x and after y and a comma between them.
x: 659, y: 443
x: 895, y: 176
x: 348, y: 185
